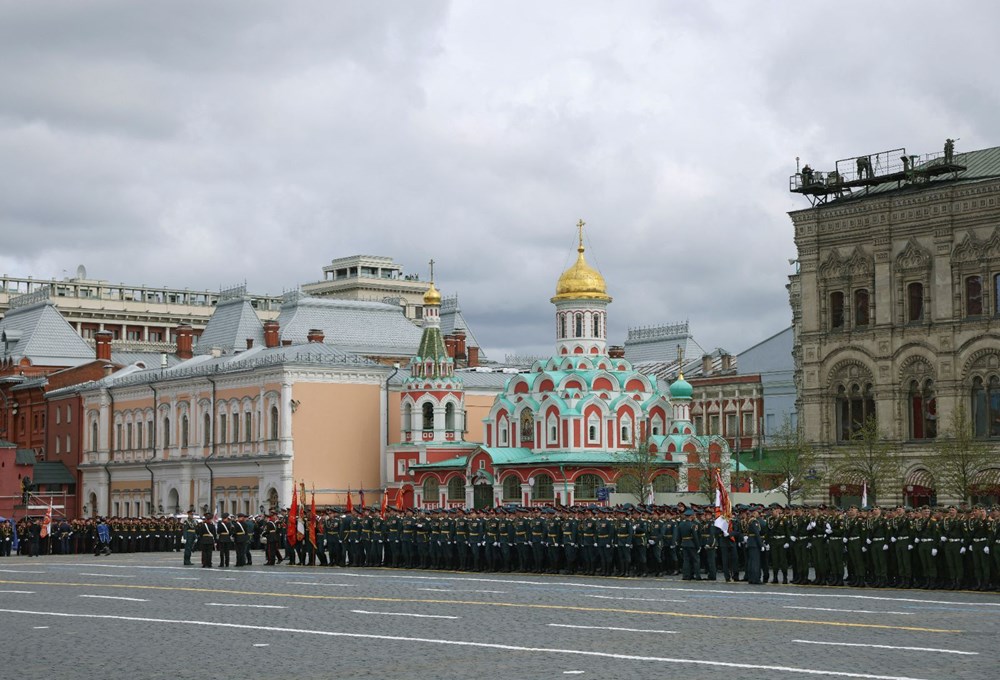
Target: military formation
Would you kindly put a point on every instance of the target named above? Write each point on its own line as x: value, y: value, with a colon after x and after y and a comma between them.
x: 943, y: 548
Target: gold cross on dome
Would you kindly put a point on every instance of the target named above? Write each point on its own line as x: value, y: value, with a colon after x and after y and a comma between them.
x: 680, y: 361
x: 579, y: 225
x: 431, y: 263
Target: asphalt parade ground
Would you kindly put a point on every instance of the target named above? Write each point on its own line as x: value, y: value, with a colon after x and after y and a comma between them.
x: 140, y: 616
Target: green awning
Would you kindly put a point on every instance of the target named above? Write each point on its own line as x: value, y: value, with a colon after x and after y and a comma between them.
x: 24, y: 457
x: 49, y: 472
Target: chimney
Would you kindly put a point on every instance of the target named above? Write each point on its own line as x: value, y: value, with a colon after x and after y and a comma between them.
x: 185, y: 342
x: 271, y: 334
x: 449, y: 345
x: 459, y: 343
x: 706, y: 364
x: 616, y: 352
x: 727, y: 362
x: 315, y: 335
x: 473, y: 357
x: 216, y: 352
x: 109, y: 369
x: 103, y: 339
x: 249, y: 343
x: 286, y: 343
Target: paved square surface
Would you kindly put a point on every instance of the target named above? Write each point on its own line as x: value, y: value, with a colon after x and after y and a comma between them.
x: 147, y: 616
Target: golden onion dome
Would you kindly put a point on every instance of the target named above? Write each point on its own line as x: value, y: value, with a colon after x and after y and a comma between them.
x: 432, y: 296
x: 581, y: 281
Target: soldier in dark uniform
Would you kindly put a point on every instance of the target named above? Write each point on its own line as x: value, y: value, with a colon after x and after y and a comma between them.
x: 726, y: 539
x: 953, y: 531
x: 272, y: 540
x: 708, y: 542
x: 477, y: 540
x: 754, y: 543
x: 605, y: 532
x: 207, y: 534
x: 241, y: 539
x: 225, y: 539
x: 190, y: 537
x: 779, y: 543
x: 570, y: 538
x: 687, y: 540
x: 553, y: 542
x: 624, y: 538
x: 878, y: 545
x: 536, y: 539
x: 588, y: 543
x: 6, y: 538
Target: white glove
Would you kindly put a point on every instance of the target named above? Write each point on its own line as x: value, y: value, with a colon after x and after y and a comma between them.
x: 828, y: 529
x: 864, y: 549
x: 962, y: 551
x: 845, y: 540
x: 893, y: 539
x: 986, y: 550
x: 811, y: 526
x: 944, y: 538
x: 933, y: 552
x: 793, y: 539
x: 652, y: 542
x: 909, y: 547
x: 885, y: 547
x: 785, y: 546
x: 868, y: 541
x: 809, y: 546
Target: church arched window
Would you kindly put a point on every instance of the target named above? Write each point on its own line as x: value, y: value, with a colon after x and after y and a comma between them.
x: 594, y: 429
x: 552, y: 424
x: 511, y: 488
x: 579, y: 325
x: 407, y: 417
x: 527, y: 426
x: 564, y: 326
x: 456, y: 489
x: 449, y: 417
x: 586, y: 486
x: 427, y: 410
x: 923, y: 410
x: 597, y: 325
x: 544, y: 489
x: 855, y: 406
x: 626, y: 429
x: 432, y: 490
x: 664, y: 484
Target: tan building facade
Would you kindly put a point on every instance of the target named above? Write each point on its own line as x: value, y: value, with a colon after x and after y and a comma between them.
x: 895, y: 306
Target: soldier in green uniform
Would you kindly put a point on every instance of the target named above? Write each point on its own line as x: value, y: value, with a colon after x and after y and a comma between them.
x: 553, y: 542
x: 779, y: 542
x: 953, y: 542
x: 754, y: 544
x: 877, y: 539
x: 605, y: 544
x: 708, y: 543
x: 188, y: 526
x: 856, y: 534
x: 927, y: 532
x: 901, y: 538
x: 979, y: 537
x: 588, y: 543
x: 570, y: 539
x: 686, y: 539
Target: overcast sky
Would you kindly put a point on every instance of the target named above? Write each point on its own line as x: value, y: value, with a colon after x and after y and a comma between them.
x: 200, y: 144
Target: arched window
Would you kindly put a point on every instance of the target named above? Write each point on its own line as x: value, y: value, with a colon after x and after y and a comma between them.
x: 247, y: 426
x: 836, y: 310
x: 923, y: 410
x: 656, y: 425
x: 236, y: 428
x: 861, y: 315
x: 986, y: 406
x: 504, y: 428
x: 543, y: 490
x: 184, y: 431
x: 93, y: 436
x: 166, y: 432
x: 223, y: 428
x: 552, y: 425
x: 586, y: 486
x: 527, y: 426
x: 449, y: 417
x: 915, y: 302
x: 579, y: 325
x: 427, y: 411
x: 407, y: 417
x: 664, y: 484
x: 432, y: 490
x: 974, y: 296
x: 150, y: 433
x: 626, y: 429
x: 855, y: 406
x: 563, y: 326
x: 274, y: 422
x: 511, y: 488
x: 206, y: 430
x: 456, y: 489
x: 597, y: 325
x: 593, y: 429
x: 996, y: 294
x: 138, y: 435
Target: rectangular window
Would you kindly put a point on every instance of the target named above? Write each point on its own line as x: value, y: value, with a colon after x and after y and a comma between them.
x: 974, y: 296
x: 128, y: 436
x: 731, y: 425
x: 915, y: 302
x: 69, y: 448
x: 247, y: 425
x: 58, y: 448
x: 747, y: 423
x: 996, y: 294
x: 69, y: 413
x: 135, y: 335
x: 58, y: 415
x: 861, y: 316
x: 713, y: 424
x: 769, y: 423
x: 836, y: 310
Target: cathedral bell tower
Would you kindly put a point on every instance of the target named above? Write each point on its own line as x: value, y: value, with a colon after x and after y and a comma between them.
x: 581, y: 302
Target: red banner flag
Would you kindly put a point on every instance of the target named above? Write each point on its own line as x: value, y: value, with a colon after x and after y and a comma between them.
x: 350, y: 503
x: 47, y: 523
x: 293, y: 517
x: 312, y: 519
x: 385, y: 502
x: 722, y: 496
x: 361, y: 495
x: 399, y: 500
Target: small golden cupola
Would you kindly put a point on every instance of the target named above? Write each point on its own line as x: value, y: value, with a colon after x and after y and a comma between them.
x: 581, y: 281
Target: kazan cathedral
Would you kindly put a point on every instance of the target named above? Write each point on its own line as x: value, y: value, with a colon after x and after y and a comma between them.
x: 559, y: 434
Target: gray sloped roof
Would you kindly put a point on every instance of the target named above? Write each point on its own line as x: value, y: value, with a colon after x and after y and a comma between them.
x: 363, y: 328
x: 147, y: 359
x: 39, y: 332
x: 471, y: 379
x: 452, y: 318
x: 233, y: 322
x: 52, y: 472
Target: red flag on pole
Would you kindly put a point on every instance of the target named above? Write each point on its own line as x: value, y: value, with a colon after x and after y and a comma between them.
x: 293, y: 517
x: 47, y: 523
x: 312, y: 519
x: 385, y: 502
x: 361, y: 495
x: 350, y: 503
x: 399, y: 499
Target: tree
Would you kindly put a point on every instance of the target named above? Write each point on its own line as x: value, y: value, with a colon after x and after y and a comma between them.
x: 959, y: 457
x: 792, y: 463
x: 870, y: 459
x: 635, y: 468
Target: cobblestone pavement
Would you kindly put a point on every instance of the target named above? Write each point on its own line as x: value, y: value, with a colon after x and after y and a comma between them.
x: 147, y: 616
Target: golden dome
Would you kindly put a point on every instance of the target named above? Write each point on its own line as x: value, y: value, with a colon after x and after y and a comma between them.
x: 581, y: 281
x: 432, y: 296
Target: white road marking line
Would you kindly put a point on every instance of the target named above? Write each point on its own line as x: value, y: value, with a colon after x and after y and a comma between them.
x: 226, y: 578
x: 110, y: 575
x: 574, y: 672
x: 908, y: 649
x: 18, y: 592
x: 112, y: 597
x: 632, y: 599
x: 466, y: 590
x: 254, y: 606
x: 466, y: 643
x: 262, y: 644
x: 627, y: 630
x: 330, y: 585
x: 570, y: 584
x: 848, y: 611
x: 416, y: 616
x: 21, y: 571
x: 186, y: 578
x: 39, y: 627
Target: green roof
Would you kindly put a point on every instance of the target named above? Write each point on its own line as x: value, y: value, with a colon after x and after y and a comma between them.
x: 52, y: 472
x: 24, y: 457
